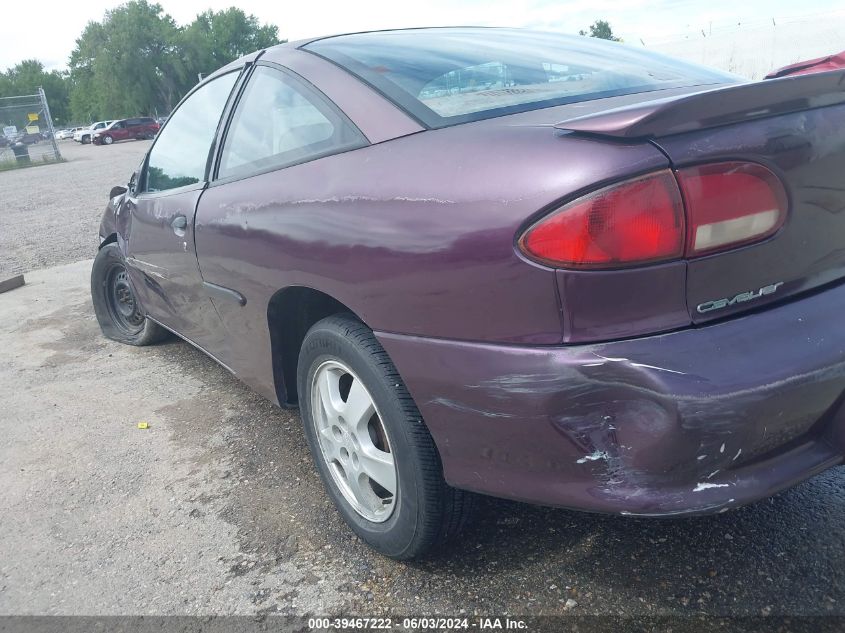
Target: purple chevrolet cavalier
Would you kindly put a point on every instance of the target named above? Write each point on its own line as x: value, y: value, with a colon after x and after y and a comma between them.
x: 546, y: 268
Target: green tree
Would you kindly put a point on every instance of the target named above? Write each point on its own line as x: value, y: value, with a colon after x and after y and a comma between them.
x: 214, y: 39
x: 128, y: 64
x: 84, y: 95
x: 601, y: 29
x: 26, y: 77
x: 138, y: 61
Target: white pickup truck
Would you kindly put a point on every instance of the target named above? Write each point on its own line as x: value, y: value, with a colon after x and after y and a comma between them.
x: 84, y: 135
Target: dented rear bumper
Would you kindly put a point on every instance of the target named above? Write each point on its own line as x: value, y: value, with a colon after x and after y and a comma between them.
x: 693, y: 421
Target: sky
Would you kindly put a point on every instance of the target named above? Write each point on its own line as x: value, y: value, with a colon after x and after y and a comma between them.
x: 52, y: 36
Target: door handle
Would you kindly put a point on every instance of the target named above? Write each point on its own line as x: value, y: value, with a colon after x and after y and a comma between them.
x: 179, y: 223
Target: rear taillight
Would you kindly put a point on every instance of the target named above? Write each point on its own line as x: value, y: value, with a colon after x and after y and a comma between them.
x: 634, y: 222
x: 730, y: 204
x: 646, y: 220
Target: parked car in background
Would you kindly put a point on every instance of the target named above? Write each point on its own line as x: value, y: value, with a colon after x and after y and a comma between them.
x: 139, y: 128
x: 28, y: 138
x: 554, y: 269
x: 818, y: 65
x: 86, y: 134
x: 67, y: 133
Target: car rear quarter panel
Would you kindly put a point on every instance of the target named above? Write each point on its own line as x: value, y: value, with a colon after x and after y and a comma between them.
x: 415, y: 235
x: 807, y: 151
x: 684, y: 422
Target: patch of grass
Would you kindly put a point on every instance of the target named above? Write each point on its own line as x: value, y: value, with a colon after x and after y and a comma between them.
x: 8, y: 165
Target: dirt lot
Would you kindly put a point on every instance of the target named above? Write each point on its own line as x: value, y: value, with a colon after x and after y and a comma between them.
x: 50, y: 214
x: 216, y: 509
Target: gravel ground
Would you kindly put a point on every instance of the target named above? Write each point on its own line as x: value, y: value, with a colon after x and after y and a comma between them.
x: 216, y: 508
x: 50, y: 214
x: 38, y: 152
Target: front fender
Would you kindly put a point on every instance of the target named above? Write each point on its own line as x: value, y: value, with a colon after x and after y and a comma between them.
x: 114, y: 223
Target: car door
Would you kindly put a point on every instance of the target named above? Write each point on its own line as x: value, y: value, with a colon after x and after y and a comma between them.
x: 279, y: 125
x: 160, y: 242
x: 146, y: 128
x: 136, y: 128
x: 130, y: 129
x: 117, y: 130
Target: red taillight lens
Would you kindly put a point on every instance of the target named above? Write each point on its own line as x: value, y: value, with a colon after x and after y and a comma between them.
x: 634, y: 222
x: 730, y: 204
x: 643, y: 220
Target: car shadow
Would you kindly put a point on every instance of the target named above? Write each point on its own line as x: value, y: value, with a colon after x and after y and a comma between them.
x: 765, y: 558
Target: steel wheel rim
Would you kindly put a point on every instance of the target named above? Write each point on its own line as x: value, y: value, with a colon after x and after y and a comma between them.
x: 353, y: 441
x: 120, y: 299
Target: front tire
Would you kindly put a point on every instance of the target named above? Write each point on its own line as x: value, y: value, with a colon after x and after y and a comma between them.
x: 371, y: 447
x: 118, y: 312
x: 107, y: 140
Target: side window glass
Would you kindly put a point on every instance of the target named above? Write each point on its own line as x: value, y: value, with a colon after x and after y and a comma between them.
x: 180, y: 153
x: 279, y: 122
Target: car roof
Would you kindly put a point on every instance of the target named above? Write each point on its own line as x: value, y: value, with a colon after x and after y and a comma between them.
x: 300, y: 43
x: 282, y: 53
x: 303, y: 42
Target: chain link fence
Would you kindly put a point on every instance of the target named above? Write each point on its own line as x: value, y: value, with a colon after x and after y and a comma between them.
x: 26, y: 131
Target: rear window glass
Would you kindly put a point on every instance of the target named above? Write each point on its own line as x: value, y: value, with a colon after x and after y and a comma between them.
x: 447, y: 76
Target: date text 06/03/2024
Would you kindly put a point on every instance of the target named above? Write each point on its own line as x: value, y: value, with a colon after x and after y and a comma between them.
x: 419, y: 624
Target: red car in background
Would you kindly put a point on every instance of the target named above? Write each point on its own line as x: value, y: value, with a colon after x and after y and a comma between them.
x: 818, y: 65
x: 123, y: 129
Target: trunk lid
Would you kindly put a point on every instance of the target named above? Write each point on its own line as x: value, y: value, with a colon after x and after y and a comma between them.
x: 795, y: 127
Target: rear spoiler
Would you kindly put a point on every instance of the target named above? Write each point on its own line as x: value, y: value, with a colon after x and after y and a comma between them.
x: 714, y: 107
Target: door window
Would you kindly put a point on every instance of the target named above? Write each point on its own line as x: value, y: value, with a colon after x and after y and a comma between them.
x: 280, y: 122
x: 180, y: 154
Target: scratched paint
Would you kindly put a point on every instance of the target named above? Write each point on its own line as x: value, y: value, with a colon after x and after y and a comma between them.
x: 706, y: 486
x: 592, y: 457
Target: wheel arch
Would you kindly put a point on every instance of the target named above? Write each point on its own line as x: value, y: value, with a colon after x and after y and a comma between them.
x: 114, y: 237
x: 110, y: 239
x: 291, y: 312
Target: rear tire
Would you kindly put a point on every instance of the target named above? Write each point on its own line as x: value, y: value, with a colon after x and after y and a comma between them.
x: 118, y: 312
x: 422, y: 511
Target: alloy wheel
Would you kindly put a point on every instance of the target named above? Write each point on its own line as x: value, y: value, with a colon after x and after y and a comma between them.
x: 353, y: 441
